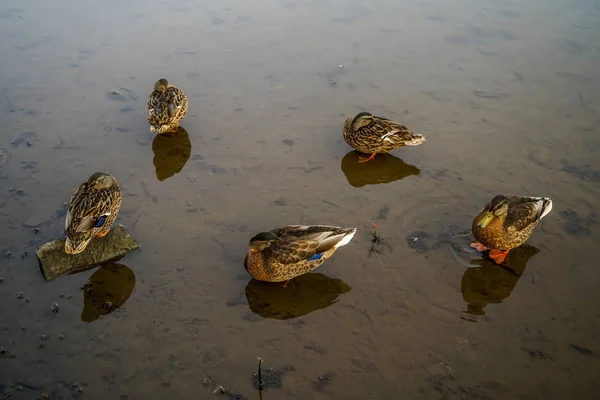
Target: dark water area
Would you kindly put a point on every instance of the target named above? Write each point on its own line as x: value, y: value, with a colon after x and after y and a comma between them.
x: 507, y: 95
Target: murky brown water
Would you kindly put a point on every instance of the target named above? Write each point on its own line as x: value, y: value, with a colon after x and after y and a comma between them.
x: 507, y: 94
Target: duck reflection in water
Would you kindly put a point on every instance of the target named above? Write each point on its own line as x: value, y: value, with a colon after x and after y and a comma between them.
x: 384, y: 168
x: 107, y: 289
x: 492, y: 283
x: 171, y: 152
x: 303, y: 295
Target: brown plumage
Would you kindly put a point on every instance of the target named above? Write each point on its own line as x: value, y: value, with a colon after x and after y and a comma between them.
x: 371, y: 134
x: 167, y: 105
x: 285, y: 253
x: 92, y: 210
x: 507, y: 222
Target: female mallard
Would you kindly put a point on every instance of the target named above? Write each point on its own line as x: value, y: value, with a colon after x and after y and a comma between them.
x: 285, y: 253
x: 167, y: 105
x: 92, y: 210
x: 370, y: 134
x: 507, y: 222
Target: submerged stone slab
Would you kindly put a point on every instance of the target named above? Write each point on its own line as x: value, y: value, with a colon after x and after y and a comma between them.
x: 55, y: 262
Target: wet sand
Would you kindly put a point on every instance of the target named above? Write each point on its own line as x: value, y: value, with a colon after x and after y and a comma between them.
x: 507, y: 95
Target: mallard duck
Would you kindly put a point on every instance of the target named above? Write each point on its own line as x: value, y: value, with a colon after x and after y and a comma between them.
x: 285, y: 253
x: 167, y: 105
x: 370, y: 134
x: 507, y: 222
x: 92, y: 210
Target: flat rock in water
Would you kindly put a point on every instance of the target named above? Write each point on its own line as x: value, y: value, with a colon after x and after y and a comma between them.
x: 55, y: 262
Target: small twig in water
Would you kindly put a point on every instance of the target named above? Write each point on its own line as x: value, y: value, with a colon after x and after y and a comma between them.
x: 260, y: 379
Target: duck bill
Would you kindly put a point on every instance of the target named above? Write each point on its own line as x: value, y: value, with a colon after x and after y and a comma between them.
x: 485, y: 221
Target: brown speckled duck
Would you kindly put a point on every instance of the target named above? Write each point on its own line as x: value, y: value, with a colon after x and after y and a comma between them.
x: 507, y: 222
x: 371, y: 134
x: 92, y: 210
x: 167, y: 105
x: 285, y: 253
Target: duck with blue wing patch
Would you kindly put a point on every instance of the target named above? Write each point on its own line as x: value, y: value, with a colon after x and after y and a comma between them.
x: 285, y: 253
x: 92, y: 210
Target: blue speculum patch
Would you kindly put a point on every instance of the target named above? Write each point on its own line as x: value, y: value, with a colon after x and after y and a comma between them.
x: 316, y: 257
x: 101, y: 221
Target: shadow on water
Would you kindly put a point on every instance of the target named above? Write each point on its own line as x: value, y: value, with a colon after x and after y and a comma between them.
x: 107, y: 289
x: 171, y: 152
x: 303, y: 295
x: 384, y: 168
x: 492, y: 283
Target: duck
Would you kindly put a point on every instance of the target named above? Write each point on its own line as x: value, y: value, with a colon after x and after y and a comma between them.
x: 167, y: 105
x: 92, y: 210
x: 282, y: 254
x: 506, y: 222
x: 370, y: 134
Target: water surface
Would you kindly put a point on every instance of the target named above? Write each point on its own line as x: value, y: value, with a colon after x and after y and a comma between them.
x: 507, y: 95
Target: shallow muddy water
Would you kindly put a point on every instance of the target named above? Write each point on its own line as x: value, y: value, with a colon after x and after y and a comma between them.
x: 506, y: 93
